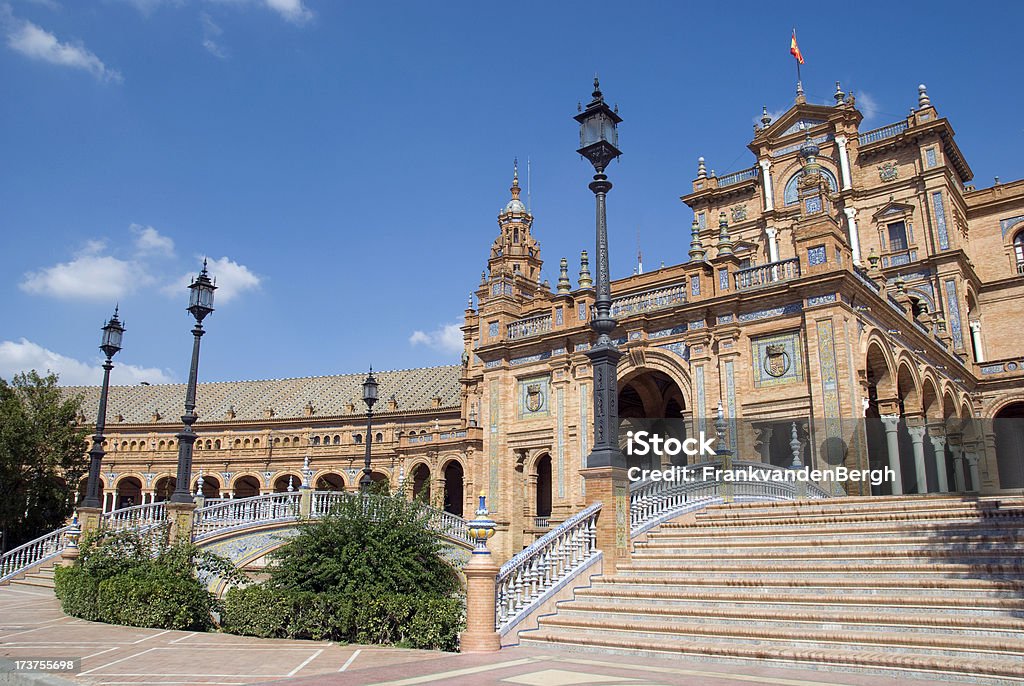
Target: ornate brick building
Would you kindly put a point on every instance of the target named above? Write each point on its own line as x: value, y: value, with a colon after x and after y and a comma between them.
x: 847, y: 299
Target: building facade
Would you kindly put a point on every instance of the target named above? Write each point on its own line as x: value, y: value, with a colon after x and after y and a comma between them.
x: 848, y: 301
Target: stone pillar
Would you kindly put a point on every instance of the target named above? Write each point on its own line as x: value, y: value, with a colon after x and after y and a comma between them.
x: 766, y: 184
x: 844, y: 163
x: 305, y: 501
x: 610, y: 486
x: 891, y: 423
x: 70, y: 553
x: 89, y: 519
x: 180, y: 515
x: 851, y: 224
x: 917, y: 438
x: 773, y: 243
x: 939, y: 446
x: 979, y: 354
x: 481, y: 571
x: 971, y: 455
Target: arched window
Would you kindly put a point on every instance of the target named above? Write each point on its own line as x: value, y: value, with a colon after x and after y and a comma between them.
x: 357, y: 438
x: 337, y: 439
x: 216, y: 444
x: 316, y: 440
x: 790, y: 196
x: 1018, y: 251
x: 379, y: 437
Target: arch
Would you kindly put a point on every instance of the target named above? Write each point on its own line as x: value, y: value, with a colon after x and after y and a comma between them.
x: 454, y: 477
x: 238, y: 443
x: 1008, y: 426
x: 336, y: 439
x: 1018, y: 251
x: 653, y: 391
x: 83, y: 485
x: 255, y: 443
x: 283, y: 480
x: 908, y: 388
x: 247, y: 443
x: 542, y: 501
x: 128, y: 492
x: 930, y: 404
x: 329, y: 481
x: 163, y: 487
x: 245, y: 486
x: 421, y: 481
x: 211, y: 486
x: 357, y: 439
x: 879, y: 367
x: 789, y: 195
x: 379, y: 437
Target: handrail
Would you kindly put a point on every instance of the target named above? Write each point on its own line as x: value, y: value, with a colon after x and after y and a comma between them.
x: 882, y: 133
x: 530, y: 326
x: 540, y: 567
x: 654, y: 299
x: 766, y: 274
x: 737, y: 177
x: 135, y: 516
x: 29, y: 554
x: 242, y: 511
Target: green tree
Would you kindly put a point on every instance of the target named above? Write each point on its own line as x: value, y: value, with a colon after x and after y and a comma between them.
x: 42, y: 456
x: 379, y: 545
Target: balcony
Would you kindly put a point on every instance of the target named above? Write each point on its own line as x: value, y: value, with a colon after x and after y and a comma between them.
x: 531, y: 326
x: 875, y: 135
x: 737, y: 177
x: 628, y: 305
x: 766, y: 274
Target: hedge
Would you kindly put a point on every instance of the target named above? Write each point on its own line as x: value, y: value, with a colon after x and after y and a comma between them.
x: 76, y: 590
x: 413, y: 621
x: 155, y: 598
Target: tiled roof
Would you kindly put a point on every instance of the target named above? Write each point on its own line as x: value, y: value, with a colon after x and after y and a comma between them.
x: 414, y: 389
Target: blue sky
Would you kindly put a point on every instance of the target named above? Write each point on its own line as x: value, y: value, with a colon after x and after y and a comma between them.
x: 342, y: 163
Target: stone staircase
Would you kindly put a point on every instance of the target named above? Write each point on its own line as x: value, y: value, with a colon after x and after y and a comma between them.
x: 37, y: 577
x: 930, y: 586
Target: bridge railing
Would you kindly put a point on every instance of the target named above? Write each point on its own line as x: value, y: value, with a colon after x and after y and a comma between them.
x: 244, y: 511
x: 135, y: 517
x: 535, y: 572
x: 16, y: 560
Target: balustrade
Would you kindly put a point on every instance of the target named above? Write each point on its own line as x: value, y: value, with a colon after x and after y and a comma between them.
x: 656, y: 299
x: 737, y: 177
x: 766, y: 274
x: 14, y: 561
x: 882, y: 133
x: 532, y: 326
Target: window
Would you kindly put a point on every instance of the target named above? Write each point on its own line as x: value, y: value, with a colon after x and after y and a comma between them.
x: 1018, y: 251
x: 791, y: 195
x: 897, y: 236
x: 357, y: 438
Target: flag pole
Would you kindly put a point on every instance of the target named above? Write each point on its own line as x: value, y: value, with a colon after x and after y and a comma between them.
x: 799, y: 81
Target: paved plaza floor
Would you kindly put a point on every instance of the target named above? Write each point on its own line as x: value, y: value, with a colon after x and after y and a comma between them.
x: 32, y: 626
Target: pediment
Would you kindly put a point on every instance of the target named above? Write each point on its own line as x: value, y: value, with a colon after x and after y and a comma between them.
x: 798, y: 119
x: 893, y: 209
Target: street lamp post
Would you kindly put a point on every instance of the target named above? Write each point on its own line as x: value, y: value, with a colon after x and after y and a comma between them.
x: 369, y: 397
x: 110, y: 344
x: 200, y: 305
x: 599, y: 140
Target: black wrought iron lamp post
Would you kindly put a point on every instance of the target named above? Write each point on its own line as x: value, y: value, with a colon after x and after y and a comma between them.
x: 200, y: 304
x: 369, y: 397
x: 110, y: 344
x: 599, y: 139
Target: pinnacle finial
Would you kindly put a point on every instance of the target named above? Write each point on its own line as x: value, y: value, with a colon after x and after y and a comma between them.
x: 724, y: 240
x: 515, y: 171
x: 564, y: 286
x: 922, y: 96
x: 585, y: 279
x: 800, y: 97
x: 766, y: 118
x: 702, y: 172
x: 696, y: 247
x: 839, y: 95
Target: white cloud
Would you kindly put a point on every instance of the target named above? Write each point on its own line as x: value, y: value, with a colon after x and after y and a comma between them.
x: 24, y: 355
x: 292, y: 10
x: 149, y: 241
x: 39, y: 44
x: 211, y: 32
x: 867, y: 105
x: 87, y: 277
x: 232, y: 279
x: 446, y: 338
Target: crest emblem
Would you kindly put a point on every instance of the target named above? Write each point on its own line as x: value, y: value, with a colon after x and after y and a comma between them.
x: 739, y: 213
x: 776, y: 360
x: 534, y: 397
x: 888, y: 172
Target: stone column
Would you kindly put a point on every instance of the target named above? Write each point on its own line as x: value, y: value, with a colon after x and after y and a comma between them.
x: 89, y: 519
x: 971, y: 455
x: 180, y: 516
x: 766, y: 184
x: 939, y: 446
x: 979, y: 354
x: 917, y: 438
x: 851, y: 224
x: 610, y: 487
x: 844, y: 162
x: 773, y: 244
x: 481, y: 571
x: 891, y: 423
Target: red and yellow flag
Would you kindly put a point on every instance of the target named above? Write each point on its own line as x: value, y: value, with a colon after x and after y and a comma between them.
x: 794, y: 49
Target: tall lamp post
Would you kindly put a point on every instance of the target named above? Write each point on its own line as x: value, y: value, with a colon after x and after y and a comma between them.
x: 369, y: 397
x: 599, y: 139
x: 110, y: 344
x: 200, y: 304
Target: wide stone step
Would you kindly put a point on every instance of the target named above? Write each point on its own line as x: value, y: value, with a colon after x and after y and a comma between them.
x: 744, y: 599
x: 859, y: 585
x: 832, y: 537
x: 743, y: 530
x: 34, y: 581
x: 864, y: 504
x: 775, y: 520
x: 993, y: 668
x: 1003, y: 555
x: 799, y: 621
x: 936, y: 644
x: 1002, y: 568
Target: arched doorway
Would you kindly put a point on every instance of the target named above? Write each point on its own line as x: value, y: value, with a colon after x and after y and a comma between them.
x: 211, y: 486
x: 330, y: 482
x: 286, y: 483
x: 129, y: 492
x: 1009, y: 429
x: 543, y: 499
x: 421, y: 483
x: 164, y: 488
x: 246, y: 487
x: 650, y: 400
x: 453, y: 483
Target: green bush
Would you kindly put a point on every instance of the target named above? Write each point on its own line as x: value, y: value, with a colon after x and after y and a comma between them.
x: 76, y: 590
x: 415, y: 621
x: 157, y: 598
